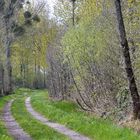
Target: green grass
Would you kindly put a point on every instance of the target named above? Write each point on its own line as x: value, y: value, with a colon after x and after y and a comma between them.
x: 68, y: 114
x: 37, y: 130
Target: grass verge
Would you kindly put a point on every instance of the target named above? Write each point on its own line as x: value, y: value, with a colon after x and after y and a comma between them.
x: 68, y: 114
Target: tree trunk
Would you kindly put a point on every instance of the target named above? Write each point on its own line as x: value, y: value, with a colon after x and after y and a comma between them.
x: 24, y: 74
x: 38, y: 77
x: 1, y: 80
x: 8, y: 66
x: 73, y: 12
x: 44, y: 81
x: 127, y: 61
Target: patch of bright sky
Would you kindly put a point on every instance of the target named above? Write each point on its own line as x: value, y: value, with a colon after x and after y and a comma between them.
x: 49, y: 3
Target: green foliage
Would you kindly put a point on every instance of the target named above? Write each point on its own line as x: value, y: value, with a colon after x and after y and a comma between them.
x: 36, y: 18
x: 28, y: 22
x: 27, y: 15
x: 18, y: 30
x: 29, y: 52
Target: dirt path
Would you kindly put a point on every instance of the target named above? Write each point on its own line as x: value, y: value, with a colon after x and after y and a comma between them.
x: 58, y: 127
x: 13, y: 127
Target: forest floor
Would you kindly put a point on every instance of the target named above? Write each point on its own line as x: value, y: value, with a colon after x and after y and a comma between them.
x: 41, y: 118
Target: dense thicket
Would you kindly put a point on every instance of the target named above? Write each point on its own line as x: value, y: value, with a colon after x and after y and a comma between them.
x: 87, y: 63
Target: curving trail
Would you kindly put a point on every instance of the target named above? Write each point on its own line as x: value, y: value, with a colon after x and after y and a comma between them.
x: 58, y: 127
x: 13, y: 127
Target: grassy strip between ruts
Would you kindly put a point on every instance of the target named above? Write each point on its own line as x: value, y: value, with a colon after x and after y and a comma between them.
x: 68, y: 114
x: 37, y: 130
